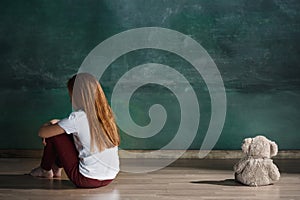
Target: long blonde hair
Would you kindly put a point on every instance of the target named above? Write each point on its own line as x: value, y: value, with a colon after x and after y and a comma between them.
x: 87, y: 95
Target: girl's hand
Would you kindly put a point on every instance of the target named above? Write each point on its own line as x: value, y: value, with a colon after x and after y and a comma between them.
x: 44, y: 141
x: 54, y: 121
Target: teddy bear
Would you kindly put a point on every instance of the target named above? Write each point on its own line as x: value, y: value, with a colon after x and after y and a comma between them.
x: 256, y: 168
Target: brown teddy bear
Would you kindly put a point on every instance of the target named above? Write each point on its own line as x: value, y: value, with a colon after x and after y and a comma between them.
x: 256, y: 168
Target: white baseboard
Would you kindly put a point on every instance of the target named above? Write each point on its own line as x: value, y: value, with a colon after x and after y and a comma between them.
x: 159, y: 154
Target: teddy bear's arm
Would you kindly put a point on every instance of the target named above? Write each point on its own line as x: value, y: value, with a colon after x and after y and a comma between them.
x: 238, y: 167
x: 274, y: 172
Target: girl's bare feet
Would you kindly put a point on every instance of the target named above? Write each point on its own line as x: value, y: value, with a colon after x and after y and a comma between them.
x: 39, y: 172
x: 56, y: 171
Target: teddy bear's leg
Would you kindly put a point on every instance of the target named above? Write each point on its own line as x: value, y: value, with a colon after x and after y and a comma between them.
x: 238, y: 178
x: 253, y: 184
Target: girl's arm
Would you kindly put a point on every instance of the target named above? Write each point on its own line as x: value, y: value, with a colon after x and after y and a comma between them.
x: 50, y: 129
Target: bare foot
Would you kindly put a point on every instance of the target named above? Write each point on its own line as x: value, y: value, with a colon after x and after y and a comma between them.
x: 56, y: 171
x: 39, y: 172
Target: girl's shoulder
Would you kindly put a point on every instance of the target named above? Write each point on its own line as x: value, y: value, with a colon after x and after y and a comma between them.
x: 77, y: 114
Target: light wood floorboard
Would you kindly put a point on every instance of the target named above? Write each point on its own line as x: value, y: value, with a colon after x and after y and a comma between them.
x: 184, y: 179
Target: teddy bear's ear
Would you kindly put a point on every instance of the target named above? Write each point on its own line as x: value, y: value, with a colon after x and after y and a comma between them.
x: 274, y: 149
x: 246, y: 144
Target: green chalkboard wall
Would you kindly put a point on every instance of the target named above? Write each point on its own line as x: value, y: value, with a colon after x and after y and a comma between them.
x: 255, y: 45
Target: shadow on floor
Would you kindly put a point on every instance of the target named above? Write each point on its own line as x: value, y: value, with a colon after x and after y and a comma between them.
x: 20, y: 181
x: 226, y: 182
x: 284, y: 165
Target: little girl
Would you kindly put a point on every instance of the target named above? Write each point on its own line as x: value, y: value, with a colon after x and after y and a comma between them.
x: 86, y: 143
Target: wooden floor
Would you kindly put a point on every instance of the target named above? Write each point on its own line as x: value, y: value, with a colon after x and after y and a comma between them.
x: 182, y: 180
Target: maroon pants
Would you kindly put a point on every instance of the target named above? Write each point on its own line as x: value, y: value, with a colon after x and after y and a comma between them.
x: 60, y: 150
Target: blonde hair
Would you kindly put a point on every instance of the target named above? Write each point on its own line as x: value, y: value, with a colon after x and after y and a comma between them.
x: 87, y: 95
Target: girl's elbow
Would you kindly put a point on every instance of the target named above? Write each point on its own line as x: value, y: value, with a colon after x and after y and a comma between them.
x: 50, y: 131
x: 41, y: 133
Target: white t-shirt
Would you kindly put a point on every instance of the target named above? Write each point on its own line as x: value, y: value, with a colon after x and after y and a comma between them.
x: 102, y: 165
